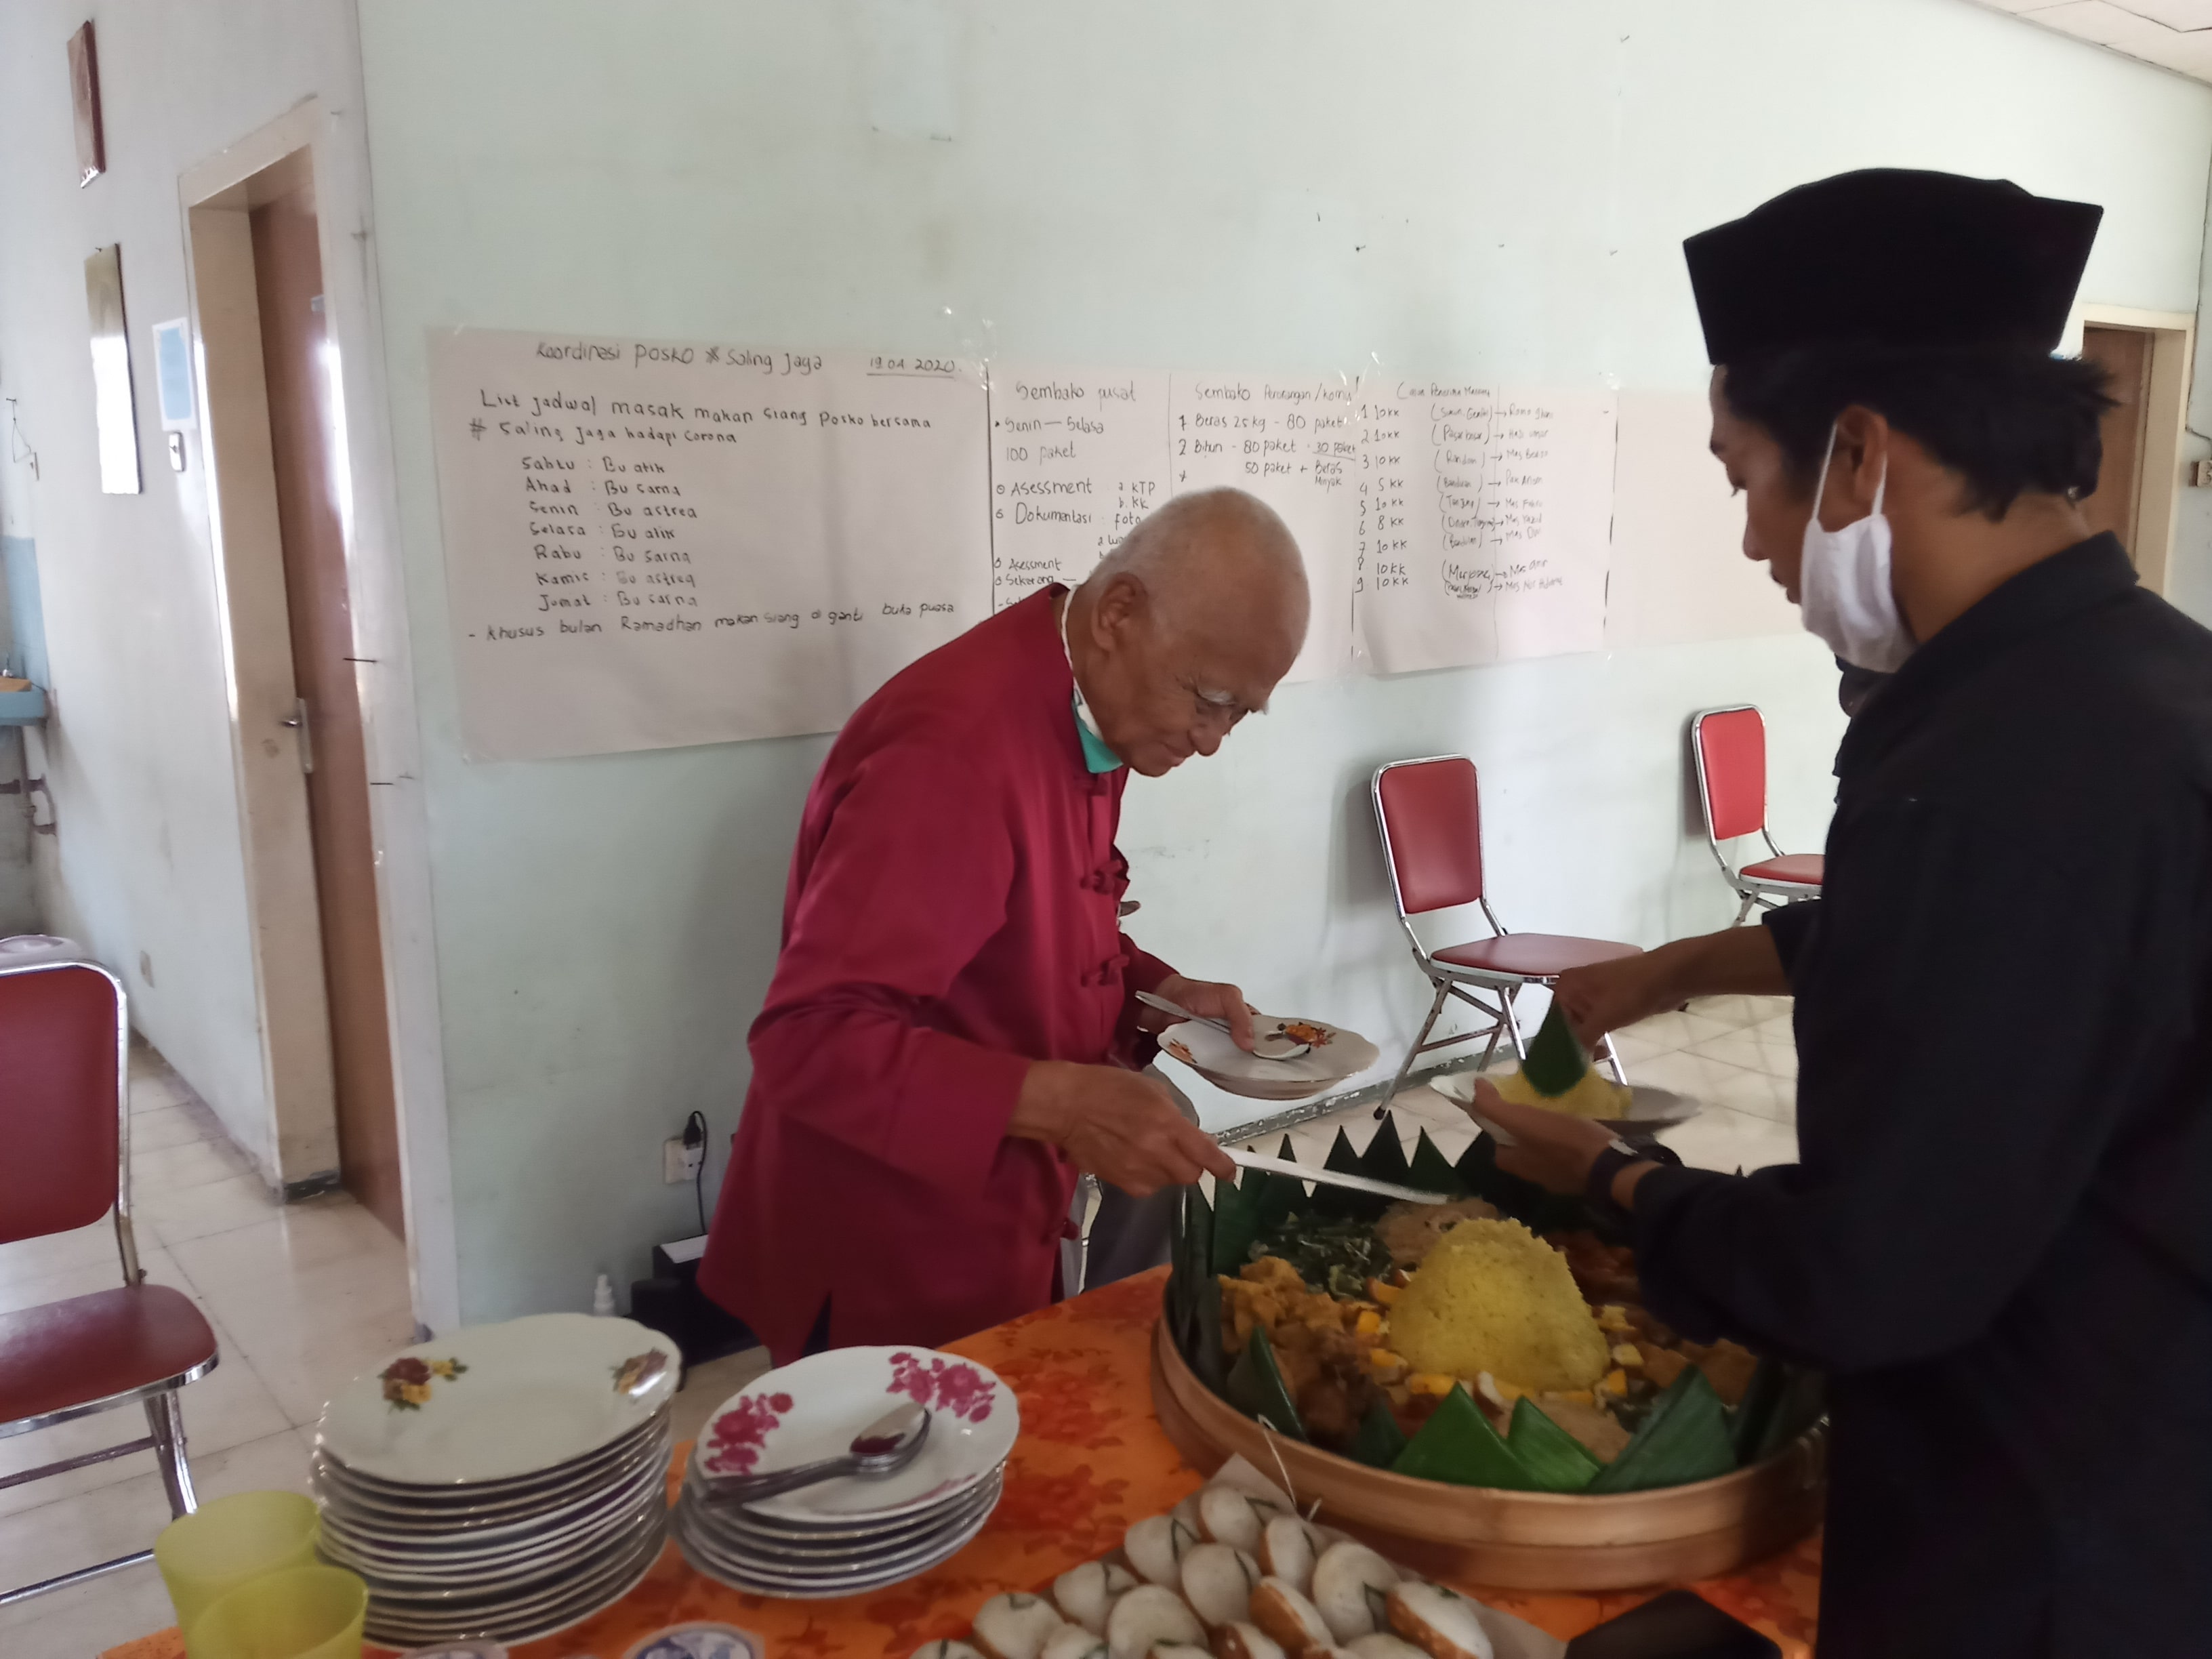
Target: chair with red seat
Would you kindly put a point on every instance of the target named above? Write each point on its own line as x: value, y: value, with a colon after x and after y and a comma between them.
x: 1430, y: 813
x: 1730, y: 747
x: 66, y: 1163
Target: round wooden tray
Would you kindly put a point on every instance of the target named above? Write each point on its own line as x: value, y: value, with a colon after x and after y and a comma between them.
x: 1511, y: 1540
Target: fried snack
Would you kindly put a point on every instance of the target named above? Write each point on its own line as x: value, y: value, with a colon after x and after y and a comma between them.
x: 1492, y: 1297
x: 1601, y: 1436
x: 1410, y: 1231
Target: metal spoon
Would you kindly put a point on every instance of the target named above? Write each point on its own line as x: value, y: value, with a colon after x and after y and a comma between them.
x: 1271, y: 1045
x: 884, y: 1447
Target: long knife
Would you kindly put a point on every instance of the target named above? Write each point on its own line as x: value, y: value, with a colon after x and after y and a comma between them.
x: 1332, y: 1178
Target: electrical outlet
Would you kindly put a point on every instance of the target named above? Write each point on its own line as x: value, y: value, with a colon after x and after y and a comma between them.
x: 679, y: 1163
x: 2200, y: 474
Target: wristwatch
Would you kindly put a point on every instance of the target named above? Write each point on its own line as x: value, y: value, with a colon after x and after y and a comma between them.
x: 1597, y: 1186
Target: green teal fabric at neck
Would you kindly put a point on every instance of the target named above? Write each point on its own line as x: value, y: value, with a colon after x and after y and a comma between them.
x: 1096, y: 755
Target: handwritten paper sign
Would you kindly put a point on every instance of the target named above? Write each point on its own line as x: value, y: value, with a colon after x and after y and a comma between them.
x: 1291, y: 443
x: 649, y: 545
x: 1481, y: 522
x: 1078, y: 456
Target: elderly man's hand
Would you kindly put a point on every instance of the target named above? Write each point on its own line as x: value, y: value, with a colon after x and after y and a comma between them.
x: 1550, y: 1148
x: 1118, y: 1125
x: 1211, y: 999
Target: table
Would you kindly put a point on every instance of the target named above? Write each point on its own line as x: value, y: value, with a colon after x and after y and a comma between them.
x: 1091, y: 1460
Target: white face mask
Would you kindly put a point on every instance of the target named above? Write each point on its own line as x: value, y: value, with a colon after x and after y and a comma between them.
x: 1843, y: 584
x: 1082, y: 703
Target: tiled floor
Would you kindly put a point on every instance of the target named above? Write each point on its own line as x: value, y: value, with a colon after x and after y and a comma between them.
x: 300, y: 1297
x: 304, y: 1297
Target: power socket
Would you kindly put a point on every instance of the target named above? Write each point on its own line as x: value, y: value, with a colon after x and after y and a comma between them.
x: 679, y: 1163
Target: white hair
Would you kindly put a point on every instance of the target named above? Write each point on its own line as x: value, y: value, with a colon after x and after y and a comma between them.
x: 1168, y: 541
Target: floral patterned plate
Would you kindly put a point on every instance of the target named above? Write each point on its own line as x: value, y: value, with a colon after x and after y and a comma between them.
x: 813, y: 1409
x: 703, y: 1558
x: 491, y: 1402
x: 727, y: 1528
x: 694, y: 1530
x: 1333, y: 1056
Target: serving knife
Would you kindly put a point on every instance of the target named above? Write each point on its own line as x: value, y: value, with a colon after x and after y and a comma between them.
x: 1331, y: 1177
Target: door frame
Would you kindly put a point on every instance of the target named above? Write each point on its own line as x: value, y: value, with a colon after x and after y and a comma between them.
x: 2166, y: 425
x: 284, y: 925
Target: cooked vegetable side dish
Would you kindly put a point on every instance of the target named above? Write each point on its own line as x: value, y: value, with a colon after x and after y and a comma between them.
x: 1498, y: 1339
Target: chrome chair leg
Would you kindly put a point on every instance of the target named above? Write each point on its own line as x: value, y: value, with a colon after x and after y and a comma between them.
x: 165, y: 1416
x: 1744, y: 910
x: 1435, y: 1009
x: 1497, y: 1031
x: 1609, y: 1055
x: 1513, y: 1023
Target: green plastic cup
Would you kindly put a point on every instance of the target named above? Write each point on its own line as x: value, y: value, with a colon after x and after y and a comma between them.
x: 205, y: 1555
x: 304, y: 1613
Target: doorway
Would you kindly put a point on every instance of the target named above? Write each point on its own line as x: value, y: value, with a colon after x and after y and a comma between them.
x: 2124, y: 355
x: 2146, y: 358
x: 278, y: 486
x: 296, y: 366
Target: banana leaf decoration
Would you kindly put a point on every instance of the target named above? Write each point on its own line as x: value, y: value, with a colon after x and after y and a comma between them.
x: 1256, y: 1388
x: 1555, y: 1460
x: 1688, y: 1435
x: 1457, y: 1445
x: 1686, y: 1438
x: 1380, y: 1441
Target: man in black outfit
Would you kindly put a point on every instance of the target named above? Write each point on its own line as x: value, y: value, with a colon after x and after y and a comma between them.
x: 1997, y: 1240
x: 1855, y: 686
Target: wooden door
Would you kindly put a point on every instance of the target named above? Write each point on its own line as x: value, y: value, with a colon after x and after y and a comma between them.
x: 2125, y: 354
x: 288, y: 275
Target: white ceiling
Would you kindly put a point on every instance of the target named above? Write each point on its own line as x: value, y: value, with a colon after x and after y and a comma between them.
x: 2174, y: 34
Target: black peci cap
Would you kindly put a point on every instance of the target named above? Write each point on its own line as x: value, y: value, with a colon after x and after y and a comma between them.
x: 1891, y: 257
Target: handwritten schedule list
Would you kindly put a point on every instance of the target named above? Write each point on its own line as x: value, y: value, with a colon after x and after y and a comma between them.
x: 1482, y: 525
x: 1077, y: 458
x: 650, y: 546
x: 1294, y: 444
x: 652, y: 543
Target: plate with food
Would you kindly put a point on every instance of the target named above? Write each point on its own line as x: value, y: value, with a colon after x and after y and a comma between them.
x: 1392, y: 1353
x: 1624, y: 1108
x: 1332, y: 1055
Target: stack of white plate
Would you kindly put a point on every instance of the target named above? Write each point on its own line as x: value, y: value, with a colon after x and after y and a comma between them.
x: 503, y: 1482
x: 843, y: 1536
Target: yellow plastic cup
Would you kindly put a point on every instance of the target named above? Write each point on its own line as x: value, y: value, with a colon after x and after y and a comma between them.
x: 205, y: 1555
x: 305, y: 1613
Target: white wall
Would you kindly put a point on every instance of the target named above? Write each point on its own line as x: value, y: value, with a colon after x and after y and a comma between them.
x: 1486, y: 187
x: 147, y: 868
x: 2190, y: 580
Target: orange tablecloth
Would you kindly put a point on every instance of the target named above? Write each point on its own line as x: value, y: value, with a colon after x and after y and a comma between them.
x: 1091, y: 1459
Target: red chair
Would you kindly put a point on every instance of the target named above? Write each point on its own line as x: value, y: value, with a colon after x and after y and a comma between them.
x: 65, y: 1129
x: 1730, y: 747
x: 1430, y: 816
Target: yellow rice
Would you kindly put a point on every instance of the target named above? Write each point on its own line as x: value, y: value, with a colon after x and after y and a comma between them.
x: 1592, y: 1096
x: 1492, y: 1297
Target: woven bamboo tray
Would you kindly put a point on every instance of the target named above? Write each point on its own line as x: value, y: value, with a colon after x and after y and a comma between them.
x: 1512, y: 1539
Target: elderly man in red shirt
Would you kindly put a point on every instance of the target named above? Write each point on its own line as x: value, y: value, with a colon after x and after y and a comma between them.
x: 952, y: 1036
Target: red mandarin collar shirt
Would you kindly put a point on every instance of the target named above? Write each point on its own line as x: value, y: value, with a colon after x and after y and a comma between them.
x: 953, y: 914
